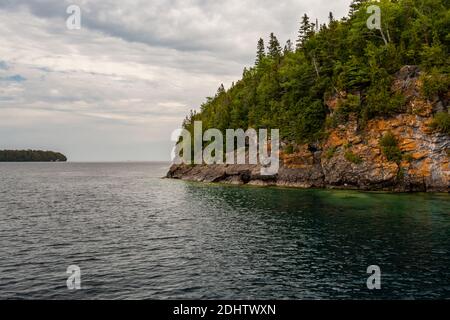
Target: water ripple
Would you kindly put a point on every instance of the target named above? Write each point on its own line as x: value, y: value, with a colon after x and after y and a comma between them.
x: 136, y: 236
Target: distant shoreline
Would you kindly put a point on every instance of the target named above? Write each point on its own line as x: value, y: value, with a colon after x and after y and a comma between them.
x: 31, y: 156
x: 168, y: 163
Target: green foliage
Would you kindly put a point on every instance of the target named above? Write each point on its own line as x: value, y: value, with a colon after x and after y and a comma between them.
x: 434, y: 83
x: 30, y: 156
x: 353, y: 158
x: 408, y: 157
x: 287, y: 89
x: 441, y: 122
x: 330, y: 152
x: 274, y: 47
x: 353, y: 75
x: 260, y: 52
x: 401, y: 174
x: 288, y: 47
x: 345, y: 107
x: 305, y: 32
x: 433, y: 55
x: 310, y: 120
x: 380, y: 101
x: 289, y: 149
x: 389, y: 146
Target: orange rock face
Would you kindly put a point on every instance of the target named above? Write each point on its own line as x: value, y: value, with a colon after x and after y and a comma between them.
x: 425, y: 164
x: 351, y: 156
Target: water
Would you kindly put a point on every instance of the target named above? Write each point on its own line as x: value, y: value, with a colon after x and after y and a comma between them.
x: 136, y: 236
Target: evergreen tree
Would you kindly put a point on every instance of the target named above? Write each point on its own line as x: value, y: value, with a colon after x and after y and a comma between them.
x: 274, y: 47
x: 288, y: 47
x: 221, y: 90
x: 330, y: 18
x: 346, y: 61
x: 306, y: 30
x: 261, y: 52
x: 244, y: 72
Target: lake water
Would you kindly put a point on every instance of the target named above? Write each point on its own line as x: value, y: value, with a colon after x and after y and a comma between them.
x: 136, y: 236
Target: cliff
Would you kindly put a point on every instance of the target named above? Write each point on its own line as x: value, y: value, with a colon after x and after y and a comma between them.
x: 351, y: 156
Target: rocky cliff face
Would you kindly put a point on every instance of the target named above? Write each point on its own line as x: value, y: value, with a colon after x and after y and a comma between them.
x: 352, y: 158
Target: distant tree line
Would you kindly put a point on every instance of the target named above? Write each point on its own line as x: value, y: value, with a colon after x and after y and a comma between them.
x: 289, y: 85
x: 31, y: 156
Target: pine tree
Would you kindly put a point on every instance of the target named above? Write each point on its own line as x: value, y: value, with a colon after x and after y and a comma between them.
x: 274, y: 47
x: 306, y: 30
x: 244, y: 72
x: 341, y: 59
x: 288, y: 47
x: 261, y: 52
x: 221, y: 90
x: 331, y: 18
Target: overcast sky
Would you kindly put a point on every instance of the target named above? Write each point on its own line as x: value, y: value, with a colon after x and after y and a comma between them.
x: 117, y: 88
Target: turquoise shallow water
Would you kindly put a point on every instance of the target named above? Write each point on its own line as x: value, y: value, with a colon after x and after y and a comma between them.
x: 136, y: 236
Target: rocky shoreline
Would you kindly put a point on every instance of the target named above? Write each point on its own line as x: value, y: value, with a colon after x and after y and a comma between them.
x: 351, y: 157
x: 304, y: 178
x: 425, y: 169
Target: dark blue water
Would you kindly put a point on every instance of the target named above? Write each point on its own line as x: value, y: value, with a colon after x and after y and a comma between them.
x: 136, y: 236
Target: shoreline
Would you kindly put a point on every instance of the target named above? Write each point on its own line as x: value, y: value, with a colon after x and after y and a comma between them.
x: 281, y: 187
x: 247, y: 175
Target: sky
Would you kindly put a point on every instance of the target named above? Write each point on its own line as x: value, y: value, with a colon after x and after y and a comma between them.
x: 117, y: 88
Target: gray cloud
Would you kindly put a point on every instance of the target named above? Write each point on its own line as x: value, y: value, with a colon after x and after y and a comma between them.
x: 14, y: 78
x: 133, y: 71
x: 188, y: 25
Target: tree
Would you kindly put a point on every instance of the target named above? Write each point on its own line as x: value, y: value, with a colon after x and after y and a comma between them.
x: 345, y: 61
x: 390, y: 148
x: 331, y: 18
x: 261, y: 52
x: 31, y: 156
x: 305, y: 31
x: 288, y: 47
x: 221, y: 90
x: 274, y: 47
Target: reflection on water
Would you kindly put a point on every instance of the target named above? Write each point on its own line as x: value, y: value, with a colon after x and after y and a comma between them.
x: 137, y: 236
